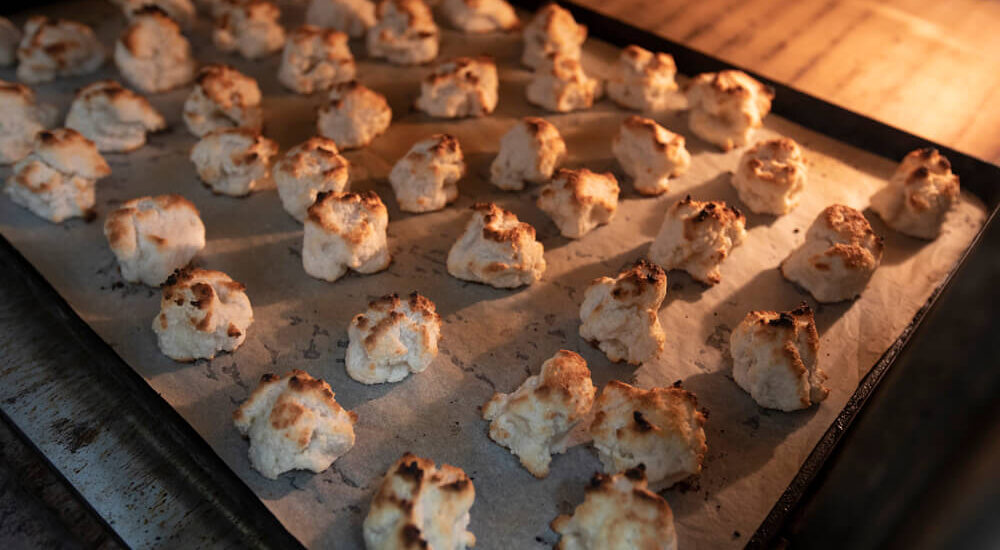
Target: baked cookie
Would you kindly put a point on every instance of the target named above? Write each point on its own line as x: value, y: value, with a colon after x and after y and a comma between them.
x: 479, y: 16
x: 56, y: 180
x: 535, y: 420
x: 152, y: 54
x: 392, y: 339
x: 294, y: 423
x: 223, y: 98
x: 552, y: 31
x: 660, y: 428
x: 181, y: 11
x: 497, y: 249
x: 697, y: 237
x: 838, y: 258
x: 620, y: 314
x: 152, y: 237
x: 461, y: 87
x: 345, y: 231
x: 353, y: 17
x: 774, y: 359
x: 643, y: 80
x: 405, y: 33
x: 726, y: 107
x: 559, y: 84
x: 578, y: 201
x: 315, y: 59
x: 116, y: 119
x: 353, y: 116
x: 771, y: 176
x: 57, y: 48
x: 419, y: 504
x: 232, y: 161
x: 426, y: 178
x: 250, y: 29
x: 650, y: 154
x: 919, y: 195
x: 202, y: 312
x: 21, y: 118
x: 306, y: 170
x: 529, y: 152
x: 619, y: 512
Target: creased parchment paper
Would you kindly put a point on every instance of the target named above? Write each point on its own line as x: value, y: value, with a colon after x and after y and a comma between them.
x: 492, y: 339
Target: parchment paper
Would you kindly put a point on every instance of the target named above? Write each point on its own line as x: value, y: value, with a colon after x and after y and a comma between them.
x: 492, y: 339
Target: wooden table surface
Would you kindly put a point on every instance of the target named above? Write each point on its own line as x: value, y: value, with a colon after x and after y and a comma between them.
x: 930, y: 67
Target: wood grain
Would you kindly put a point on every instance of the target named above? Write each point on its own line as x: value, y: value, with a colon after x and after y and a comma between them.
x: 931, y: 68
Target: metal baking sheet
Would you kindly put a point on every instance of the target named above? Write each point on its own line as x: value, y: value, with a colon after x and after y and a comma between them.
x: 492, y: 338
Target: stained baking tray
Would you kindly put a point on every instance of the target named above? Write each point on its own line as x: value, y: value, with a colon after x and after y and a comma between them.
x: 243, y: 509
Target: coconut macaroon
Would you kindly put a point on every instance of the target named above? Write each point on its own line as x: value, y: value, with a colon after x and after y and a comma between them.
x: 116, y: 119
x: 552, y: 31
x: 426, y: 178
x: 919, y: 195
x: 559, y: 84
x: 726, y: 107
x: 497, y: 249
x: 774, y: 359
x: 232, y: 161
x: 650, y: 154
x: 660, y: 428
x: 223, y: 98
x: 250, y: 29
x: 419, y: 504
x: 181, y: 11
x: 535, y: 420
x: 353, y: 17
x: 306, y: 170
x: 614, y: 506
x: 154, y: 236
x: 578, y: 201
x: 315, y: 59
x: 57, y: 48
x: 771, y: 176
x: 202, y: 313
x: 697, y: 236
x: 21, y: 118
x: 56, y: 180
x: 353, y: 115
x: 838, y: 258
x: 620, y: 316
x: 293, y: 422
x: 152, y: 54
x: 345, y: 231
x: 643, y: 80
x: 480, y: 16
x: 392, y: 338
x: 405, y: 33
x: 461, y: 87
x: 529, y: 152
x: 10, y: 37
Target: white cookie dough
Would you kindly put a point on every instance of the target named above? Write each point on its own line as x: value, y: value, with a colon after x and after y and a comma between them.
x: 53, y: 48
x: 251, y: 29
x: 529, y: 152
x: 152, y: 54
x: 345, y: 231
x: 202, y: 313
x: 620, y: 316
x: 919, y: 195
x: 232, y: 161
x: 152, y: 237
x: 405, y: 33
x: 223, y: 98
x: 115, y: 118
x: 644, y: 81
x: 479, y: 16
x: 461, y: 87
x: 21, y: 118
x: 552, y: 31
x: 559, y: 84
x: 426, y: 178
x: 294, y: 423
x: 306, y: 170
x: 392, y: 338
x: 771, y: 176
x: 579, y: 201
x: 726, y: 107
x: 315, y: 59
x: 650, y: 154
x: 497, y: 249
x: 697, y: 237
x: 535, y: 420
x: 353, y: 116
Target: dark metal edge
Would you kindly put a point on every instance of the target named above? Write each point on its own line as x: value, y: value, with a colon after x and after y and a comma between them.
x: 978, y: 176
x: 208, y: 473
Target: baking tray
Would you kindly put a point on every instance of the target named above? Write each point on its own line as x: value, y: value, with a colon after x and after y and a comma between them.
x: 977, y: 177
